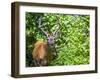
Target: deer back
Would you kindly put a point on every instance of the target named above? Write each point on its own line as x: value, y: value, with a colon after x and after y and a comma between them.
x: 40, y: 50
x: 41, y: 53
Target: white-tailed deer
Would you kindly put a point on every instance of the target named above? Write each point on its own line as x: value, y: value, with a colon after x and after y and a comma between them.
x: 43, y: 51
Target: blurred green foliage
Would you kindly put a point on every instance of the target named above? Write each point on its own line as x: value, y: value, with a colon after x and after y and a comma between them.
x: 72, y: 44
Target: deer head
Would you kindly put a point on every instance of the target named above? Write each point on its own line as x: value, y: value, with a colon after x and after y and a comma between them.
x: 51, y: 37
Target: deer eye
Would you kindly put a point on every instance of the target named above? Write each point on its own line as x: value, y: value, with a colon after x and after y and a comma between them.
x: 51, y: 39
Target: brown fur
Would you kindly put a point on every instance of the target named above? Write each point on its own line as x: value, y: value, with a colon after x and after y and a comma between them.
x: 41, y: 53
